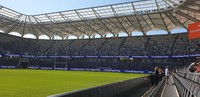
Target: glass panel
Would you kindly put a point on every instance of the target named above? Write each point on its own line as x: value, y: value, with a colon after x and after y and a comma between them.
x: 104, y: 12
x: 122, y: 9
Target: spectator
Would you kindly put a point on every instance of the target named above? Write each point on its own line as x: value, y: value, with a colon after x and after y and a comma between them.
x: 175, y: 69
x: 160, y: 73
x: 152, y: 77
x: 193, y: 67
x: 198, y: 68
x: 167, y: 74
x: 157, y: 75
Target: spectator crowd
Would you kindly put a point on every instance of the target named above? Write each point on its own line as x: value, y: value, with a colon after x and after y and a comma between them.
x: 176, y: 44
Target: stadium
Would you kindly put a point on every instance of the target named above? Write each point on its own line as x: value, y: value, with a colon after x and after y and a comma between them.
x: 103, y: 51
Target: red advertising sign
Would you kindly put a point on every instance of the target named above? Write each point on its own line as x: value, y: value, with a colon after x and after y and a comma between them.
x: 194, y: 30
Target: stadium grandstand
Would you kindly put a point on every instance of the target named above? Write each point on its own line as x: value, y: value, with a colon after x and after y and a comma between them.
x: 133, y: 36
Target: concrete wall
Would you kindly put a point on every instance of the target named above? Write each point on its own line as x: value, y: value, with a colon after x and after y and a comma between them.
x: 124, y: 88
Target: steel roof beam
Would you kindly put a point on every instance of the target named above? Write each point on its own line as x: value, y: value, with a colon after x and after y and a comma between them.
x: 105, y: 25
x: 174, y: 19
x: 8, y: 30
x: 40, y: 29
x: 97, y: 16
x: 81, y: 17
x: 192, y: 4
x: 10, y: 10
x: 11, y: 21
x: 36, y: 33
x: 29, y: 29
x: 48, y: 28
x: 187, y: 16
x: 145, y: 21
x: 13, y: 27
x: 137, y: 19
x: 24, y: 27
x: 65, y: 30
x: 158, y: 7
x: 167, y: 3
x: 44, y: 27
x: 131, y: 24
x: 51, y: 20
x: 141, y: 26
x: 171, y: 1
x: 5, y: 24
x: 191, y: 9
x: 164, y: 23
x: 113, y: 10
x: 70, y: 24
x: 119, y: 4
x: 64, y: 17
x: 56, y: 24
x: 111, y: 22
x: 151, y: 21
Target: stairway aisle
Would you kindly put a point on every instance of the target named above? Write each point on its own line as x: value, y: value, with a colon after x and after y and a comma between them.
x: 170, y: 89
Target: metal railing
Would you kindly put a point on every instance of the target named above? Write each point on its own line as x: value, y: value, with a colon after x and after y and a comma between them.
x: 195, y: 77
x: 186, y: 87
x: 157, y: 90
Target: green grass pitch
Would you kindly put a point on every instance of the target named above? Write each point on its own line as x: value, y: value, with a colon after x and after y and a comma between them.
x: 42, y: 83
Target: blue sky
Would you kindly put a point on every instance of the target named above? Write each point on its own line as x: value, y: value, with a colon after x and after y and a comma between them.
x: 33, y: 7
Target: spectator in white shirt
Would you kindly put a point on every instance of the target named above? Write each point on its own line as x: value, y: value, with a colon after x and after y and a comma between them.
x: 167, y: 74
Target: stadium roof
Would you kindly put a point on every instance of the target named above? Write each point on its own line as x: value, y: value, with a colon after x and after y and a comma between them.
x: 126, y: 17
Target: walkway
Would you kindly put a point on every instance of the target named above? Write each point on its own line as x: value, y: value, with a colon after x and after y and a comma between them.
x: 170, y: 89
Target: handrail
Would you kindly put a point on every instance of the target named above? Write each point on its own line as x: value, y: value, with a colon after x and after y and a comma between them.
x: 156, y: 92
x: 195, y: 77
x: 186, y: 87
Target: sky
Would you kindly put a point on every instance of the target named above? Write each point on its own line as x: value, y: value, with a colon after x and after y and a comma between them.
x: 34, y: 7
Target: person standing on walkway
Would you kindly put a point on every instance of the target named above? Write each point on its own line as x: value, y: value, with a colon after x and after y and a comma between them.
x: 167, y: 74
x: 157, y: 75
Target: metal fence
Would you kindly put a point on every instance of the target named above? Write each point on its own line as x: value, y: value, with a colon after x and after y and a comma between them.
x: 157, y: 90
x: 187, y: 84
